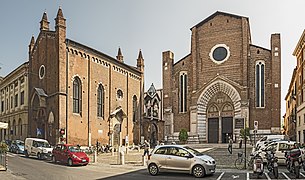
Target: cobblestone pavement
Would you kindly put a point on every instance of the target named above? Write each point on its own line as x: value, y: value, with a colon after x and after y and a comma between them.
x: 108, y: 162
x: 219, y: 152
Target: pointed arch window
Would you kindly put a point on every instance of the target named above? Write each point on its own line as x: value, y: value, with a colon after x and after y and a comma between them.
x: 260, y: 84
x: 100, y: 101
x: 77, y: 95
x: 155, y: 108
x: 183, y: 92
x: 134, y: 107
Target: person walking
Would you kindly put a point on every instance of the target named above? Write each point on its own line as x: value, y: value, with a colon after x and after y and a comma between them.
x: 146, y: 148
x: 230, y: 145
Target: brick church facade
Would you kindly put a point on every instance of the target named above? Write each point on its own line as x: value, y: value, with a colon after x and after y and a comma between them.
x: 224, y: 84
x: 79, y: 95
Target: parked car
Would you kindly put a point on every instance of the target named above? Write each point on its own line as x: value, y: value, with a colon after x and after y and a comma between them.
x: 267, y: 139
x: 70, y: 154
x: 37, y: 147
x: 182, y: 158
x: 279, y: 147
x: 17, y: 146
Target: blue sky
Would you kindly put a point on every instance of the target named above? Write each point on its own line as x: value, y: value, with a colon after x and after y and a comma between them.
x: 152, y: 26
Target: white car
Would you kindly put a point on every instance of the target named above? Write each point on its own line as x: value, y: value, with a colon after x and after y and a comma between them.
x: 37, y: 147
x: 279, y: 147
x: 267, y: 139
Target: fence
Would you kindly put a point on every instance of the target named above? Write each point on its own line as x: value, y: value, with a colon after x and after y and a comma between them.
x: 3, y: 161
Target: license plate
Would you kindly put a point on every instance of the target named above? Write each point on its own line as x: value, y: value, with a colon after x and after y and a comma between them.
x: 83, y: 160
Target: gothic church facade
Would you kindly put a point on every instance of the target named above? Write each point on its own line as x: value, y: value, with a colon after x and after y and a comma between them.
x: 224, y: 84
x: 79, y: 95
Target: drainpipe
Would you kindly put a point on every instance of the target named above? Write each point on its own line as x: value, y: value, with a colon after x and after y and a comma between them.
x: 67, y: 62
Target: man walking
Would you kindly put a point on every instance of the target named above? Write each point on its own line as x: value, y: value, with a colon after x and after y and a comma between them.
x: 146, y: 148
x: 230, y: 145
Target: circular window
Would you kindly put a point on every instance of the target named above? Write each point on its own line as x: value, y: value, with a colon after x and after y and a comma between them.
x: 41, y: 72
x: 119, y: 94
x: 219, y: 53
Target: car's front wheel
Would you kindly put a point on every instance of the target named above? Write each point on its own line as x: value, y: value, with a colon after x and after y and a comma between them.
x: 198, y: 171
x: 70, y: 162
x: 26, y: 153
x: 39, y: 156
x: 153, y: 169
x: 54, y: 159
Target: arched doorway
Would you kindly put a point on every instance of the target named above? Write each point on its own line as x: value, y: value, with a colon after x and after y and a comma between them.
x: 217, y: 106
x: 38, y: 114
x: 153, y: 134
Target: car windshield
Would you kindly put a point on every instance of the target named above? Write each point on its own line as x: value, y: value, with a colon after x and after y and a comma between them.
x: 74, y: 149
x: 20, y: 143
x: 193, y: 151
x: 43, y: 144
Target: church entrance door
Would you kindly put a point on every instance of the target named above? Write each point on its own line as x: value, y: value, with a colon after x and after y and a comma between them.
x: 213, y: 130
x: 226, y: 129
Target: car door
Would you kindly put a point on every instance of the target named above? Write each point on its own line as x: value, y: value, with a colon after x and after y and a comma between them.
x: 280, y: 153
x: 64, y: 153
x: 34, y: 148
x: 159, y: 157
x: 178, y: 159
x: 56, y: 152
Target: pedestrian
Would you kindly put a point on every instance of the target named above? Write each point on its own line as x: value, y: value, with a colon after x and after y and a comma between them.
x: 230, y: 145
x: 146, y: 148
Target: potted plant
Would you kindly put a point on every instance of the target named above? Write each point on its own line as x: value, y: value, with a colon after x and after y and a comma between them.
x: 183, y: 136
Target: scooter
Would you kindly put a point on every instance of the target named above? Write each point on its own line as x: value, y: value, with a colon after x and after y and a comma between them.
x: 272, y: 165
x: 293, y: 161
x: 258, y: 165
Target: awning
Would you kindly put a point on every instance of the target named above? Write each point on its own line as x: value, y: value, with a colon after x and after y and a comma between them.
x: 3, y: 125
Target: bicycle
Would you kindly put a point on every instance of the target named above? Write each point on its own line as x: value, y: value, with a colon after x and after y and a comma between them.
x: 241, y: 159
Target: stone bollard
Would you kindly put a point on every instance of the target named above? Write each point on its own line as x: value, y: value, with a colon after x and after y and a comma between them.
x: 143, y: 160
x: 95, y: 156
x: 122, y: 157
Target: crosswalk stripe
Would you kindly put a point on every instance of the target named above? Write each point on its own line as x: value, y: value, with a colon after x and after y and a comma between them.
x: 267, y: 176
x: 286, y: 176
x: 220, y: 176
x: 302, y: 174
x: 248, y: 176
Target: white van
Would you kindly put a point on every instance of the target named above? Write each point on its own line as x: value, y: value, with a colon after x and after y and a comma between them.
x: 268, y: 139
x: 37, y: 147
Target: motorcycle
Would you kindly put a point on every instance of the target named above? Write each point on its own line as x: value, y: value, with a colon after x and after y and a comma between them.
x: 272, y: 165
x: 293, y: 161
x: 258, y: 165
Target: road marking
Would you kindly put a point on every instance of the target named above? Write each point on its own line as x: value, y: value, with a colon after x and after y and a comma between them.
x: 302, y: 174
x: 286, y: 176
x: 219, y: 177
x: 248, y: 176
x: 267, y: 176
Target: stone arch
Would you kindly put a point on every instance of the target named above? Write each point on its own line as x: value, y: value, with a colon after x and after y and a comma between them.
x: 203, y: 100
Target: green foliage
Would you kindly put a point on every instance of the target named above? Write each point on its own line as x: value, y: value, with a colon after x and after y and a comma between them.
x: 183, y: 136
x: 3, y: 147
x: 245, y: 133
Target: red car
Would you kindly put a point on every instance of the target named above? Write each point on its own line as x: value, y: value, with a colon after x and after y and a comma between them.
x: 70, y: 154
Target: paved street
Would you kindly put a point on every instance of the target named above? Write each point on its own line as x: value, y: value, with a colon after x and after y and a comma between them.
x: 107, y: 168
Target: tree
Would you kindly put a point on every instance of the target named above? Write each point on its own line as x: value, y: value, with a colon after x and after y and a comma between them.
x: 183, y: 136
x: 244, y: 133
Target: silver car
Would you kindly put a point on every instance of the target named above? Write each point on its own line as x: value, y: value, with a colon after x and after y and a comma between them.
x: 180, y: 158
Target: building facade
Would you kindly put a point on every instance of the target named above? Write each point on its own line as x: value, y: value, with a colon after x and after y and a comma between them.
x: 290, y: 117
x: 79, y: 95
x: 14, y: 103
x: 299, y: 53
x: 153, y: 123
x: 224, y: 84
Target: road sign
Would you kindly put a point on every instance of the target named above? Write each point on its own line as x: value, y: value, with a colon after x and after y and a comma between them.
x: 256, y: 125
